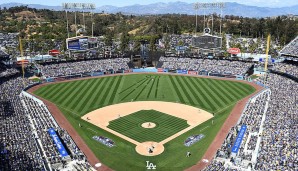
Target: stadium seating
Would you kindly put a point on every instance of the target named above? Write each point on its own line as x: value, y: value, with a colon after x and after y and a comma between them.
x: 218, y: 66
x: 275, y: 141
x: 73, y: 68
x: 270, y: 141
x: 291, y: 49
x: 286, y: 68
x: 25, y: 143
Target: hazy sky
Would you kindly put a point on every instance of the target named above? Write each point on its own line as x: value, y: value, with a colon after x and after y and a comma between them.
x: 120, y: 3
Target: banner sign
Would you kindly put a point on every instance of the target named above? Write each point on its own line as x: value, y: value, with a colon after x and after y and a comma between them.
x: 193, y: 72
x: 165, y: 70
x: 234, y: 51
x: 57, y: 142
x: 145, y: 70
x: 180, y: 71
x: 54, y: 52
x: 97, y: 73
x: 239, y: 139
x: 162, y: 70
x: 180, y: 48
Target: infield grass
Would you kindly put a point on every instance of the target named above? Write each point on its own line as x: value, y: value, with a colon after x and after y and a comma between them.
x: 130, y: 125
x: 79, y: 97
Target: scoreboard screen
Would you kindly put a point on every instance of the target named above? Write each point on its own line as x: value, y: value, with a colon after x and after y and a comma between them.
x: 206, y: 42
x: 81, y: 43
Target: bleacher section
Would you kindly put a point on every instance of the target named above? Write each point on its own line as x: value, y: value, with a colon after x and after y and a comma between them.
x: 291, y: 49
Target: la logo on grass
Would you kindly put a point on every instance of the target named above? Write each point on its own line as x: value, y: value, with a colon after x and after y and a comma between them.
x: 150, y: 165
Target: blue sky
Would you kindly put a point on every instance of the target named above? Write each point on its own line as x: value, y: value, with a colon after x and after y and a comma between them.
x: 120, y: 3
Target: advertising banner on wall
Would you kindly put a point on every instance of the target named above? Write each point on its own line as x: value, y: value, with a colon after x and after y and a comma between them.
x: 193, y: 72
x: 239, y: 139
x: 145, y: 70
x: 234, y: 51
x: 182, y: 71
x: 162, y: 70
x: 58, y: 142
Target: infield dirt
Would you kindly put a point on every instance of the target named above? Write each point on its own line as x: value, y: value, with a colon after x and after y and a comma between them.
x: 102, y: 116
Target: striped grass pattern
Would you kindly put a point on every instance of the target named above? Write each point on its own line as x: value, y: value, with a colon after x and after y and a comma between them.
x: 78, y: 97
x: 130, y: 125
x: 86, y: 95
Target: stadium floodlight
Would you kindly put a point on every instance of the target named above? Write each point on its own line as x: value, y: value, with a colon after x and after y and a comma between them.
x: 74, y: 6
x: 70, y: 5
x: 196, y: 7
x: 211, y: 6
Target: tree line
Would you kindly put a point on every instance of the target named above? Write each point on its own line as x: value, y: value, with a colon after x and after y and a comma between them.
x: 47, y: 24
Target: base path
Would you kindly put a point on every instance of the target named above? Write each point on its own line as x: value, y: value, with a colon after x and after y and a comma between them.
x: 102, y: 116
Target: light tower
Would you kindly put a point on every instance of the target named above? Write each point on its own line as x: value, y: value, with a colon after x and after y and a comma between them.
x: 75, y: 6
x: 211, y: 6
x: 80, y: 42
x: 196, y: 7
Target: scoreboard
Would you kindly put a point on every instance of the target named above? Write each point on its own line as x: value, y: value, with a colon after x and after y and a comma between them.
x: 81, y: 43
x: 207, y: 42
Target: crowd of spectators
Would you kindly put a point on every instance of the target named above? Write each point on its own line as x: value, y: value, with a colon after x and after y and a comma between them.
x: 7, y: 71
x: 271, y: 137
x: 216, y: 165
x: 9, y: 40
x: 252, y: 142
x: 291, y: 49
x: 278, y: 138
x: 278, y: 149
x: 18, y: 147
x: 216, y: 66
x: 73, y: 68
x: 24, y: 141
x: 174, y: 40
x: 286, y: 68
x: 180, y: 40
x: 42, y: 121
x: 2, y: 52
x: 259, y: 44
x: 252, y: 118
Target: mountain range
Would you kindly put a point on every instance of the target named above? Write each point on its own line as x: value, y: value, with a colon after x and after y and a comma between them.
x: 231, y: 8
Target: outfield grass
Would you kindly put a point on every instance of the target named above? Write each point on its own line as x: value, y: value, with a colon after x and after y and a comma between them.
x: 77, y: 98
x: 130, y: 125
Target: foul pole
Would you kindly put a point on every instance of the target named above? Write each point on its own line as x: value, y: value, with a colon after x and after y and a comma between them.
x: 23, y: 60
x: 266, y: 60
x: 267, y: 51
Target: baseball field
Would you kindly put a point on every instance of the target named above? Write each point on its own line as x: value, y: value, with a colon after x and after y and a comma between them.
x: 213, y: 99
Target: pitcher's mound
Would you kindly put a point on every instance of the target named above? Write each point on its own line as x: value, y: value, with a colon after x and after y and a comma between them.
x: 148, y: 125
x: 150, y: 148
